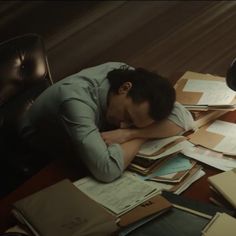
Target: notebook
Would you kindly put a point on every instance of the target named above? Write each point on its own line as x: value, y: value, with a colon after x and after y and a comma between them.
x: 225, y: 184
x: 221, y: 224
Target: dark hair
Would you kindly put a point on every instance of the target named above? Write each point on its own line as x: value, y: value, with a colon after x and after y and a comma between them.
x: 146, y: 86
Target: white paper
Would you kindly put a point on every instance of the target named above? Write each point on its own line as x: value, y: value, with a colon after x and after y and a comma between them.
x: 176, y: 148
x: 155, y: 145
x: 227, y: 145
x: 212, y: 98
x: 197, y: 85
x: 211, y: 158
x: 214, y: 92
x: 119, y: 196
x: 223, y: 128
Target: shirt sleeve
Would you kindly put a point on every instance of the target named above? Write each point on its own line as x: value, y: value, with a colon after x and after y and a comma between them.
x: 104, y: 162
x: 182, y: 117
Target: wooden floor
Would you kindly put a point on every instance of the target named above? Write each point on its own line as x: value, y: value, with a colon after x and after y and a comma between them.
x: 164, y: 36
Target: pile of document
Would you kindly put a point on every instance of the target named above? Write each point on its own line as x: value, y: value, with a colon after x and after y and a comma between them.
x: 206, y: 96
x: 203, y: 92
x: 171, y: 163
x: 161, y: 163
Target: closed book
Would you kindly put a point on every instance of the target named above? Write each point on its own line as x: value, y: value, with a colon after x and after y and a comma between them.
x: 224, y: 183
x: 221, y: 224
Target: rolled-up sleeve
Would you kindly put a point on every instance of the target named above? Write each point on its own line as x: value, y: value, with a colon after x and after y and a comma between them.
x: 182, y: 117
x: 104, y: 162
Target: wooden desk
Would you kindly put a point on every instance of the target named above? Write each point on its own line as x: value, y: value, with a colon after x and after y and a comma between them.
x: 59, y: 170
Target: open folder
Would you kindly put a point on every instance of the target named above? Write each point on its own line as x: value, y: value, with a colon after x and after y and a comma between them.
x: 63, y: 210
x: 198, y: 91
x: 219, y: 136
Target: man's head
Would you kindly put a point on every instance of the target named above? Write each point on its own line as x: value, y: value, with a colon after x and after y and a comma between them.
x: 138, y: 97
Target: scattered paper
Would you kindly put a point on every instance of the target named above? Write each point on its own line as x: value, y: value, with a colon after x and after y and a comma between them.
x: 171, y: 167
x: 211, y: 158
x: 176, y: 148
x: 214, y: 92
x: 223, y: 128
x: 153, y: 146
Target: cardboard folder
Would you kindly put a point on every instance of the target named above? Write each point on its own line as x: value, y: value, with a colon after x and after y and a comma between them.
x: 192, y: 98
x: 64, y: 210
x: 208, y: 139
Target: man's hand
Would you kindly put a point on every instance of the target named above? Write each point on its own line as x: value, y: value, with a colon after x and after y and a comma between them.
x: 117, y: 136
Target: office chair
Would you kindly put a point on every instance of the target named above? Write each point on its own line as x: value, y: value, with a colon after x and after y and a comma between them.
x: 24, y: 74
x: 231, y: 75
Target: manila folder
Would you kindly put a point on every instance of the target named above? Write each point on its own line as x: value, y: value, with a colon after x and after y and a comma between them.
x: 64, y: 210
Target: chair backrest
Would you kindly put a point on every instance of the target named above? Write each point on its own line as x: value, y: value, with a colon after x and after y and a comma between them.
x: 24, y: 74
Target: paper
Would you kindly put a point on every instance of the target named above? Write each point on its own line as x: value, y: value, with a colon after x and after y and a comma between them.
x: 153, y: 146
x: 214, y: 92
x: 211, y: 158
x: 212, y: 98
x: 173, y: 165
x: 119, y: 196
x: 176, y: 148
x: 198, y: 85
x: 227, y: 145
x: 223, y: 128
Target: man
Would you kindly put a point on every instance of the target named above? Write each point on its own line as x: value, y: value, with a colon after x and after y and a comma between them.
x: 107, y: 112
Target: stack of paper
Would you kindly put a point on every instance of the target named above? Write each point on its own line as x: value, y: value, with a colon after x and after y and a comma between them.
x: 204, y: 92
x: 119, y: 196
x: 153, y: 152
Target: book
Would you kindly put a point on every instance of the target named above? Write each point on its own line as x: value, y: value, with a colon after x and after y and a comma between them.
x: 63, y: 210
x: 186, y: 217
x: 162, y: 147
x: 224, y: 184
x: 197, y: 91
x: 217, y: 135
x: 221, y: 224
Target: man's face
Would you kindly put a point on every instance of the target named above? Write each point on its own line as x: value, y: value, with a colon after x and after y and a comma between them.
x: 123, y: 112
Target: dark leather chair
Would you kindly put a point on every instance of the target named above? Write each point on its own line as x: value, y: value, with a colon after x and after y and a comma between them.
x: 24, y: 74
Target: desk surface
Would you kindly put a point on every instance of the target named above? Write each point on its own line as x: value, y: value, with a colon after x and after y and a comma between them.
x: 59, y: 170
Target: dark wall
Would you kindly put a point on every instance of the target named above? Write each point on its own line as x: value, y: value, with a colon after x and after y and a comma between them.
x: 164, y: 36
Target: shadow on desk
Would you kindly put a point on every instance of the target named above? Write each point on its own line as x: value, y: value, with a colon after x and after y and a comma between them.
x: 52, y: 173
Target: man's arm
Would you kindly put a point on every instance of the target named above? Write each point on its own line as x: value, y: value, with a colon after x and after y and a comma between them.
x: 165, y: 128
x: 130, y: 149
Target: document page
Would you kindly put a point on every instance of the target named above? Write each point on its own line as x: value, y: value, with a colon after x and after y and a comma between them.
x: 153, y: 146
x: 214, y: 92
x: 119, y: 196
x: 223, y: 127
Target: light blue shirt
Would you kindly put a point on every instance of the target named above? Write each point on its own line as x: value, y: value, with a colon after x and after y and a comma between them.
x: 78, y: 103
